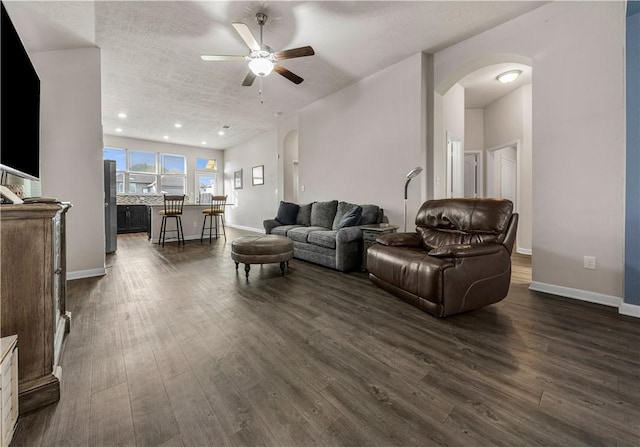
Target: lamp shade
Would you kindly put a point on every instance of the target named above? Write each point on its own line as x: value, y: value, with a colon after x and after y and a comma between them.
x: 414, y: 172
x: 261, y: 66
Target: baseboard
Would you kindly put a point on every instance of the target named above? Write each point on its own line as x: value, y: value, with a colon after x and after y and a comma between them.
x: 523, y: 251
x: 86, y: 274
x: 240, y: 227
x: 630, y: 310
x: 590, y: 297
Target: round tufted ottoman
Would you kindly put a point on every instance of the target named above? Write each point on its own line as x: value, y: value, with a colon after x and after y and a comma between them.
x: 267, y: 249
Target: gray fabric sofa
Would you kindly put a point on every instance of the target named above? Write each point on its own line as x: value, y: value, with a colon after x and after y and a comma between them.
x: 317, y: 236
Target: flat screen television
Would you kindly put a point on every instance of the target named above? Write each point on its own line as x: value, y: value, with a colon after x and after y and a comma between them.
x: 20, y: 108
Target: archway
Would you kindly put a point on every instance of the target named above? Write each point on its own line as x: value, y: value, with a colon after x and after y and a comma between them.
x: 290, y: 167
x: 506, y: 120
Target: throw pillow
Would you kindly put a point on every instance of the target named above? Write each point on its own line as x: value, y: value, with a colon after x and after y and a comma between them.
x: 287, y: 213
x: 343, y: 208
x: 304, y: 215
x: 369, y: 214
x: 352, y: 218
x: 322, y: 213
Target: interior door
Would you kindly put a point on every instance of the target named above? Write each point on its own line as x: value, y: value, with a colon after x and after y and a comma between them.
x: 508, y: 179
x: 471, y: 175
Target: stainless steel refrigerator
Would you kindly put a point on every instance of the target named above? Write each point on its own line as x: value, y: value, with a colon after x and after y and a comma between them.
x: 110, y: 210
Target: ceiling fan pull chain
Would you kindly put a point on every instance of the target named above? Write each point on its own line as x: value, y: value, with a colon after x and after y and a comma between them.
x: 260, y: 91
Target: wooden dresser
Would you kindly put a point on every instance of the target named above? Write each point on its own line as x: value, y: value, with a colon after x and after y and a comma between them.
x: 8, y: 388
x: 33, y: 295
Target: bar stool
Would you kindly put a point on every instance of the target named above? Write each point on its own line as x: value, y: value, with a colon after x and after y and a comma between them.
x: 214, y: 212
x: 173, y: 205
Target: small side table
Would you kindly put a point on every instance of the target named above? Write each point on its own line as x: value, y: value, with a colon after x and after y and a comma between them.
x: 369, y: 235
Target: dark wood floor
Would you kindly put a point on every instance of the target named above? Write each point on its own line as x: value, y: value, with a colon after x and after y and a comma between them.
x: 173, y: 347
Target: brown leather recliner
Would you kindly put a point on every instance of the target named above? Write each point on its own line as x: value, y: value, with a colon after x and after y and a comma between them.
x: 458, y: 259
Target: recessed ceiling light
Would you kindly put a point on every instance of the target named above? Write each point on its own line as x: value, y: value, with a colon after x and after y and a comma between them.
x: 118, y: 130
x: 178, y: 125
x: 204, y: 142
x: 221, y: 132
x: 122, y: 115
x: 166, y: 137
x: 508, y: 76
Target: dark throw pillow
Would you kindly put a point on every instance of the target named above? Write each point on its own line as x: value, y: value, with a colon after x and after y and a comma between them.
x: 287, y: 213
x: 352, y: 218
x: 323, y: 213
x: 304, y: 215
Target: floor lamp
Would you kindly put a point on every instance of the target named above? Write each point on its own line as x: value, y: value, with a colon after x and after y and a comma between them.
x: 414, y: 172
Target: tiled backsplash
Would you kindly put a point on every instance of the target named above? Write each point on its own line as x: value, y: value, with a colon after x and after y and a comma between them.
x: 142, y: 199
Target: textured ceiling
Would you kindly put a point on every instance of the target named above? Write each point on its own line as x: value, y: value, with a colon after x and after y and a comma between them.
x: 152, y: 71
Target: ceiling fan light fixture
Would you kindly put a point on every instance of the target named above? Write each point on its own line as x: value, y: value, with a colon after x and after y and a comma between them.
x: 508, y: 76
x: 261, y: 66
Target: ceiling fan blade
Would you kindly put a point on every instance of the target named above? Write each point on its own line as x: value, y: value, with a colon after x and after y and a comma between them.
x: 287, y: 74
x: 248, y: 80
x: 295, y: 52
x: 246, y: 35
x: 209, y: 57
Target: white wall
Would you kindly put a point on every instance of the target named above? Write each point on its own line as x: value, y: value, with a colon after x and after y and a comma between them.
x: 474, y: 130
x: 252, y: 204
x: 190, y: 152
x: 453, y: 126
x: 71, y: 150
x: 578, y: 133
x: 507, y: 120
x: 359, y: 143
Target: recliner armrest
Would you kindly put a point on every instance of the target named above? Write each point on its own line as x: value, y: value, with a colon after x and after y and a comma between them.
x: 465, y: 250
x: 400, y: 240
x: 270, y: 224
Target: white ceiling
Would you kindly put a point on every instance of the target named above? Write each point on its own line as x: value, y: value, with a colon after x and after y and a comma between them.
x: 152, y: 71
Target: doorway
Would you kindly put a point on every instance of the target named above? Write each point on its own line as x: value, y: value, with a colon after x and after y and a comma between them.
x: 455, y: 167
x: 473, y: 178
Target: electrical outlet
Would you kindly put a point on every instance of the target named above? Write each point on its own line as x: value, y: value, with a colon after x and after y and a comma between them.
x: 590, y: 262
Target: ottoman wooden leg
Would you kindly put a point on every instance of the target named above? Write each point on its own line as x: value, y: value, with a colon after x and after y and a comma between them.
x: 247, y: 267
x: 237, y: 264
x: 282, y: 266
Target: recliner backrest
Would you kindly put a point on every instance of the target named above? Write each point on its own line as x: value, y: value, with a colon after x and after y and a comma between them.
x: 463, y: 221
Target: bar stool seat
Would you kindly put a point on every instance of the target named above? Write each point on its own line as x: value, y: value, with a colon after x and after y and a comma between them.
x: 214, y: 212
x: 173, y: 205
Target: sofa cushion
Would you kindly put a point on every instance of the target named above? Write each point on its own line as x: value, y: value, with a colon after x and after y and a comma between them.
x: 282, y: 230
x: 370, y: 214
x: 342, y: 209
x: 323, y: 238
x: 300, y: 234
x: 352, y: 218
x: 323, y: 213
x: 304, y: 214
x: 287, y: 213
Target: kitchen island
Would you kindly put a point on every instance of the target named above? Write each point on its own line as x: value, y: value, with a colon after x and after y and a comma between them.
x: 192, y: 219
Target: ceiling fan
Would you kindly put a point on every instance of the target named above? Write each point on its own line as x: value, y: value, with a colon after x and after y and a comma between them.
x: 262, y: 59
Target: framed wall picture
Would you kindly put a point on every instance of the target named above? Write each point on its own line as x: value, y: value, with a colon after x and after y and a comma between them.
x: 237, y: 179
x: 257, y: 175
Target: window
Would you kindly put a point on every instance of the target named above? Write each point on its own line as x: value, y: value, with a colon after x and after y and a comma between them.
x: 206, y: 186
x: 142, y: 183
x: 206, y: 164
x: 174, y: 164
x: 143, y: 162
x: 119, y: 155
x: 141, y: 172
